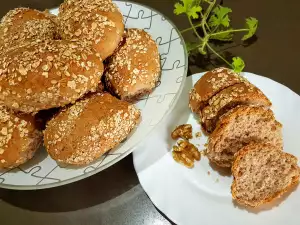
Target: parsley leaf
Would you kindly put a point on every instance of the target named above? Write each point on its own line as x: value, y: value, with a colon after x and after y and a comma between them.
x: 251, y: 24
x: 190, y: 7
x: 179, y: 8
x: 220, y: 17
x: 225, y: 35
x: 215, y: 24
x: 237, y: 64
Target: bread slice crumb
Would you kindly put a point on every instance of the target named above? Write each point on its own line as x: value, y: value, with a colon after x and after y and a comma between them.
x: 262, y: 173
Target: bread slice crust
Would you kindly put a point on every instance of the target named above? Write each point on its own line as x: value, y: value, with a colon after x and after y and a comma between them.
x: 209, y: 85
x: 238, y: 94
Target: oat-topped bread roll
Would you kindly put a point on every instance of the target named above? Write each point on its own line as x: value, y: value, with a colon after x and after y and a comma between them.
x: 83, y: 132
x: 239, y: 94
x: 98, y: 23
x: 20, y: 137
x: 22, y: 26
x: 240, y: 126
x: 134, y: 70
x: 47, y: 75
x: 262, y: 173
x: 210, y: 84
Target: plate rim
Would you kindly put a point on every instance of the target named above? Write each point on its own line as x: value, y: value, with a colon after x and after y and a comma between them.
x: 130, y: 150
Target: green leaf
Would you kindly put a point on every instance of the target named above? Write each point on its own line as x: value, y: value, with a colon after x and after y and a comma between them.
x: 251, y: 24
x: 220, y: 17
x: 190, y: 7
x: 179, y: 9
x: 223, y: 36
x: 237, y: 64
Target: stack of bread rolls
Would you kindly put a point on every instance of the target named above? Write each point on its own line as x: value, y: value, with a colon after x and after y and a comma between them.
x: 244, y: 136
x: 55, y: 64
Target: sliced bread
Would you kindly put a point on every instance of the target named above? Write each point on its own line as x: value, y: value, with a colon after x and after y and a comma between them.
x: 262, y: 173
x: 238, y: 94
x: 237, y: 128
x: 210, y: 84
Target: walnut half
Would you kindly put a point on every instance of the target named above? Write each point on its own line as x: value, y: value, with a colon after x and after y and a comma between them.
x: 186, y: 153
x: 184, y: 131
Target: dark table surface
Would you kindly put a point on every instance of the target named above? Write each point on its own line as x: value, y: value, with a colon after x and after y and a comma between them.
x: 115, y: 196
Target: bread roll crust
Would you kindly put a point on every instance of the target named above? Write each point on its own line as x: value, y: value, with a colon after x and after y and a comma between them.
x: 83, y: 132
x: 22, y: 26
x: 98, y: 23
x: 210, y: 84
x: 19, y: 138
x: 255, y: 147
x: 45, y: 75
x: 134, y: 70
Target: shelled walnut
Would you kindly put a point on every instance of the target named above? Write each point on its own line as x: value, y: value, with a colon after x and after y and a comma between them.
x: 184, y: 131
x: 186, y: 153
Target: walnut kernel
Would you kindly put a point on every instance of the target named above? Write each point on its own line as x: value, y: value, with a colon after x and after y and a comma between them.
x: 186, y: 153
x: 182, y: 131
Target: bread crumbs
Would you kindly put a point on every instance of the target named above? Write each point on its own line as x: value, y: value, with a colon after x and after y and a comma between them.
x: 198, y: 134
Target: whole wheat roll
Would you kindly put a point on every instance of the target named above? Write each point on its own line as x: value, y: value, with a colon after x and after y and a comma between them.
x: 83, y: 132
x: 22, y: 26
x: 98, y: 23
x: 20, y: 137
x: 48, y: 74
x: 134, y: 69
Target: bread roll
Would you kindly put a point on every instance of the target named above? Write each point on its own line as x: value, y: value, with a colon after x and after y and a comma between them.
x: 98, y: 23
x: 45, y: 75
x: 210, y: 84
x: 134, y: 70
x: 262, y: 173
x: 19, y: 138
x: 83, y: 132
x: 22, y: 26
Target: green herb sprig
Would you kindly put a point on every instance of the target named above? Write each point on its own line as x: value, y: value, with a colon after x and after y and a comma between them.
x: 215, y: 24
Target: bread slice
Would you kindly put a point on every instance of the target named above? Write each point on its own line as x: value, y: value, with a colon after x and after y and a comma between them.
x: 237, y: 128
x: 210, y: 84
x: 238, y: 94
x: 262, y: 173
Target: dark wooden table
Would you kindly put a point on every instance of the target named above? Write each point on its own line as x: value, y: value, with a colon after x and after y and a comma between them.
x: 114, y: 196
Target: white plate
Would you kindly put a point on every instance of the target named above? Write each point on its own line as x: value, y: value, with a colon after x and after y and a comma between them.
x: 202, y: 195
x: 43, y: 172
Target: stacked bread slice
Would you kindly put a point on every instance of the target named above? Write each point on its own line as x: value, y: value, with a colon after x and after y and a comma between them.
x: 237, y: 128
x: 244, y: 135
